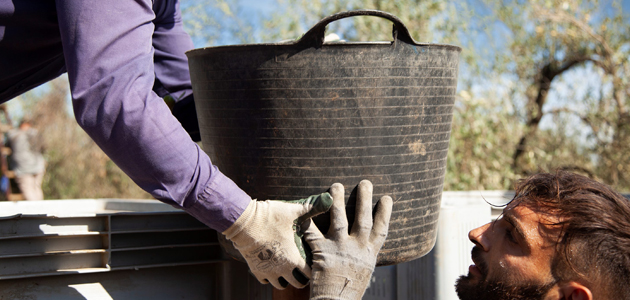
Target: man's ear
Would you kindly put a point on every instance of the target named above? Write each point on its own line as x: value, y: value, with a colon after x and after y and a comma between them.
x: 575, y: 291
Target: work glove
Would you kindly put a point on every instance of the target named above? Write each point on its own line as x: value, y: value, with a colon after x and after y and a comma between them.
x: 268, y: 236
x: 343, y: 263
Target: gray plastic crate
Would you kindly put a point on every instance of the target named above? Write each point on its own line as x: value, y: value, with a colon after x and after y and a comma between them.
x: 42, y: 238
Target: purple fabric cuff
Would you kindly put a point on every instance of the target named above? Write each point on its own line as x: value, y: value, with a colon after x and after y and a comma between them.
x: 220, y: 203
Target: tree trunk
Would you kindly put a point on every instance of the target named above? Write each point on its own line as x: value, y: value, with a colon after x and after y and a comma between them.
x: 535, y: 114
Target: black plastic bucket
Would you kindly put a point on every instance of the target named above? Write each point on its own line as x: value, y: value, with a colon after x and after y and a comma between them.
x: 287, y: 120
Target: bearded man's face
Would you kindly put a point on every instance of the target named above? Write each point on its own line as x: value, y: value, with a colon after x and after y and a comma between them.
x: 512, y: 258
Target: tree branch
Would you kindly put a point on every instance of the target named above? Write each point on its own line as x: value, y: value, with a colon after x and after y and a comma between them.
x: 584, y: 119
x: 570, y: 62
x: 563, y: 17
x: 545, y: 77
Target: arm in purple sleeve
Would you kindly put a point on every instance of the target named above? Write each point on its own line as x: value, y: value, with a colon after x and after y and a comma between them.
x: 109, y: 57
x: 172, y: 77
x: 170, y: 43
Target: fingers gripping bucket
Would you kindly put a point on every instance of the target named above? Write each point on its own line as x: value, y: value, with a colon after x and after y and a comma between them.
x: 285, y: 121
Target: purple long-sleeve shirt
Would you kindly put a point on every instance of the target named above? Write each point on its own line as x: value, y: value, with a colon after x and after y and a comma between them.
x: 121, y: 57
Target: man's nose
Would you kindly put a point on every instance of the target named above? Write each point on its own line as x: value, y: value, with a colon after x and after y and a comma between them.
x: 480, y: 237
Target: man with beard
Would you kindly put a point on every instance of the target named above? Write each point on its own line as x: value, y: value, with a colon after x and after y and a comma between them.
x: 563, y: 236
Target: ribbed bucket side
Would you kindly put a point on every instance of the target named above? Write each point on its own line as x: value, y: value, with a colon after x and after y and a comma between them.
x: 285, y: 124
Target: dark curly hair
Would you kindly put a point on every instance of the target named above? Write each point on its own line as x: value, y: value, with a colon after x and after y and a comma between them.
x: 594, y: 245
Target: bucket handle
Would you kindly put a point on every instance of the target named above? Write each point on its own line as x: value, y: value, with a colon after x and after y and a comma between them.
x: 314, y: 37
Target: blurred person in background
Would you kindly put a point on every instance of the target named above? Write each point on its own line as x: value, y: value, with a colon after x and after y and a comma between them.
x: 27, y: 159
x: 5, y: 126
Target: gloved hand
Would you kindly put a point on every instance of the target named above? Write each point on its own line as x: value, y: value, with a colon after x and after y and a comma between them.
x: 342, y: 263
x: 266, y: 234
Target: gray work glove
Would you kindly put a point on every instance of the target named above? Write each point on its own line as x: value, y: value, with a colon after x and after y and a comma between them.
x: 267, y: 235
x: 342, y: 263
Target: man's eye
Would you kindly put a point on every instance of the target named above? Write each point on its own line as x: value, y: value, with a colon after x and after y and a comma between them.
x: 510, y: 236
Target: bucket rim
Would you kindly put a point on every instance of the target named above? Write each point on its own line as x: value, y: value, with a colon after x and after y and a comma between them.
x: 314, y: 37
x: 294, y: 46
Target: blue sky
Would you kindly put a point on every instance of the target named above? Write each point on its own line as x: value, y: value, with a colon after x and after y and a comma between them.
x: 253, y: 9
